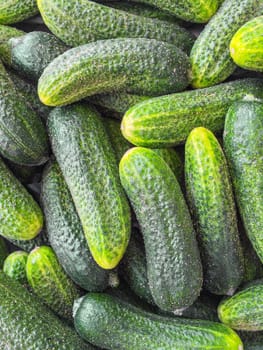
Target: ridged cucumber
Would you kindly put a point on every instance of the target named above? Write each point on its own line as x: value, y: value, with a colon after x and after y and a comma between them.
x: 243, y: 148
x: 87, y: 160
x: 7, y: 33
x: 15, y: 266
x: 3, y: 251
x: 210, y: 57
x: 111, y: 323
x: 66, y: 235
x: 173, y: 263
x: 12, y: 11
x: 90, y: 19
x: 167, y: 120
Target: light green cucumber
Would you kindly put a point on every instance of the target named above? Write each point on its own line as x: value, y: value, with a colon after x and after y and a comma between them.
x: 7, y: 33
x: 12, y: 11
x: 15, y: 266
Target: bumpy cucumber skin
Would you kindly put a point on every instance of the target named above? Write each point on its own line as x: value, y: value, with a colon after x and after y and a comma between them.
x: 13, y: 11
x: 210, y: 58
x: 6, y: 33
x: 243, y: 311
x: 140, y: 66
x: 93, y: 22
x: 246, y: 47
x: 167, y: 120
x: 173, y: 263
x: 212, y: 204
x: 27, y: 324
x: 87, y: 160
x: 31, y: 53
x: 3, y: 251
x: 21, y: 217
x: 29, y: 245
x: 111, y: 323
x: 49, y: 281
x: 15, y: 266
x: 66, y: 235
x: 243, y: 148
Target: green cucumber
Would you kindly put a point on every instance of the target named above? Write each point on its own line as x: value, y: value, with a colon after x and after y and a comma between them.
x: 210, y: 57
x: 140, y: 66
x: 87, y: 160
x: 243, y: 148
x: 212, y: 203
x: 243, y: 311
x: 13, y: 11
x: 173, y: 263
x: 252, y: 340
x: 3, y: 251
x: 66, y: 235
x: 246, y: 46
x: 7, y: 33
x: 167, y: 120
x: 15, y: 266
x: 110, y: 323
x: 30, y: 54
x: 49, y: 281
x: 20, y: 215
x: 27, y: 324
x: 29, y: 245
x: 92, y: 22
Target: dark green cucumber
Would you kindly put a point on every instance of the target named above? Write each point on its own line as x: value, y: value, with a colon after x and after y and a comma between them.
x: 173, y: 263
x: 243, y: 148
x: 12, y: 11
x: 20, y: 215
x: 252, y: 340
x: 15, y: 266
x: 7, y: 33
x: 210, y: 57
x: 66, y: 235
x: 49, y: 281
x: 212, y: 204
x: 140, y: 66
x: 110, y: 323
x: 172, y: 158
x: 87, y: 160
x: 27, y: 324
x: 29, y: 245
x: 243, y: 311
x: 3, y: 251
x: 31, y: 53
x: 89, y: 20
x: 168, y: 120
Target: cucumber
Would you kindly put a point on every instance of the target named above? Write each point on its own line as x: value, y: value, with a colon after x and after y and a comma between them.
x: 167, y: 120
x: 86, y: 158
x: 49, y: 281
x: 7, y: 33
x: 212, y: 203
x: 242, y: 143
x: 246, y: 46
x: 66, y: 235
x: 140, y: 66
x: 243, y: 311
x: 31, y: 53
x: 210, y: 58
x: 20, y: 216
x: 173, y: 263
x: 3, y: 251
x: 252, y: 340
x: 110, y: 323
x: 13, y: 11
x: 92, y: 22
x: 29, y: 245
x: 15, y: 266
x: 28, y: 324
x: 173, y: 160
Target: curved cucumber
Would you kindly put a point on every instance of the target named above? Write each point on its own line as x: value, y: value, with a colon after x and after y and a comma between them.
x: 110, y: 323
x: 3, y: 251
x: 86, y: 158
x: 12, y: 11
x: 15, y: 266
x: 6, y: 33
x: 66, y: 235
x: 167, y: 120
x: 173, y: 264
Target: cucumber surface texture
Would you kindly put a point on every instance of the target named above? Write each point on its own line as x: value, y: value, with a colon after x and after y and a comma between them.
x: 15, y: 266
x: 13, y: 11
x: 7, y: 33
x: 29, y: 245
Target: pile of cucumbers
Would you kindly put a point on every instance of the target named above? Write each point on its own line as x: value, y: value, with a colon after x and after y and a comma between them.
x: 131, y: 175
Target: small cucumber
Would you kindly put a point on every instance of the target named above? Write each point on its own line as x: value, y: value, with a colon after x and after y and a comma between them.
x: 15, y: 266
x: 7, y: 33
x: 13, y: 11
x: 3, y: 251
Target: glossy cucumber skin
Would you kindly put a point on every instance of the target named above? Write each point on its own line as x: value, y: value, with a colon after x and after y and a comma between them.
x: 21, y: 217
x: 111, y: 323
x: 15, y: 266
x: 88, y: 164
x: 243, y: 311
x: 246, y: 47
x: 167, y: 120
x: 12, y: 11
x: 90, y: 20
x: 212, y: 204
x: 49, y: 281
x: 3, y: 251
x: 66, y: 235
x: 27, y: 324
x: 210, y: 58
x: 243, y: 148
x: 139, y: 66
x: 173, y: 263
x: 6, y: 33
x: 22, y: 135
